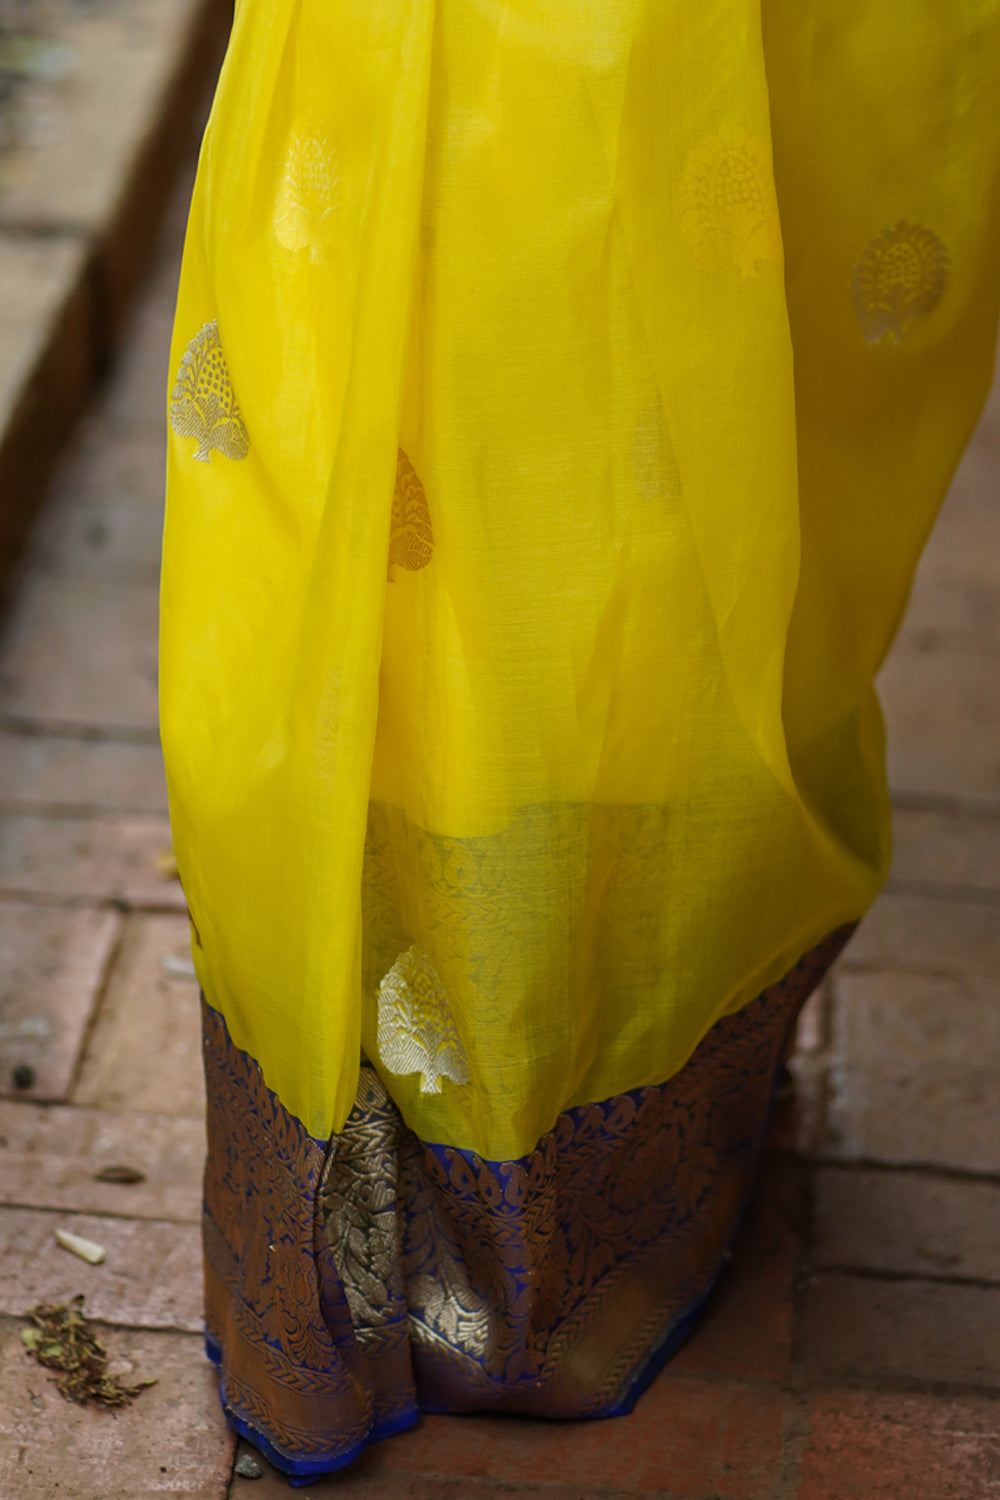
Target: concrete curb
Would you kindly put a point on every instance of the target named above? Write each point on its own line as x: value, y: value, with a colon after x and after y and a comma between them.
x: 79, y: 218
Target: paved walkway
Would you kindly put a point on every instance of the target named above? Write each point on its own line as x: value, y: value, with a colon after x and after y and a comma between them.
x: 853, y: 1351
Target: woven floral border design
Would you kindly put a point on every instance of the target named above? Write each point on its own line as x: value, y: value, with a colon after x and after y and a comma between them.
x: 349, y: 1286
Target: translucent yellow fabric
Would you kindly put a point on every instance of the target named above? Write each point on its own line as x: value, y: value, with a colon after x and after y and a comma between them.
x: 563, y: 394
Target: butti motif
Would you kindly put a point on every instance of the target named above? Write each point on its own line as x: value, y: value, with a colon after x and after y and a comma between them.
x: 728, y: 206
x: 308, y: 193
x: 411, y: 539
x: 416, y: 1029
x: 202, y: 404
x: 901, y: 276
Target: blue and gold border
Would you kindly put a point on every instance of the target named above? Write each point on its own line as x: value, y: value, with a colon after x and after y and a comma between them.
x: 354, y: 1283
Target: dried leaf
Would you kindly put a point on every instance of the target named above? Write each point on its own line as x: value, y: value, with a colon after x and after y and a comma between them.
x: 60, y: 1340
x: 119, y: 1174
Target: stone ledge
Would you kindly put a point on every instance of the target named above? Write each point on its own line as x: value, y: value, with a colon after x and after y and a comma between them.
x: 79, y: 216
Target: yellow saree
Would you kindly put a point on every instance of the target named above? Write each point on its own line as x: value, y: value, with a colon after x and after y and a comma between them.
x: 562, y: 394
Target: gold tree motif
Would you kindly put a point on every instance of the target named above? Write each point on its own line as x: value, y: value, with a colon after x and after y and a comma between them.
x: 202, y: 404
x: 411, y: 539
x: 416, y: 1029
x: 308, y: 192
x: 900, y: 276
x: 728, y: 206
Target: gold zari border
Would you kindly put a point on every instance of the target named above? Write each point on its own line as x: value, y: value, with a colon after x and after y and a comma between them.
x: 347, y: 1288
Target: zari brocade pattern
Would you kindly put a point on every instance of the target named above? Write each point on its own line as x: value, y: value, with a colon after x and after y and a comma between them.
x: 351, y: 1285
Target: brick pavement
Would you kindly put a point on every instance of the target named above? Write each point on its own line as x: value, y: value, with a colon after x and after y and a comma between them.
x: 853, y: 1349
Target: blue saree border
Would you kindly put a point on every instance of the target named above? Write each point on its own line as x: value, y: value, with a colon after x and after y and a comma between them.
x: 297, y: 1472
x: 478, y: 1285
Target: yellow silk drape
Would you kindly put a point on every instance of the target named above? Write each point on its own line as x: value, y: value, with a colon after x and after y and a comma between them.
x: 563, y: 395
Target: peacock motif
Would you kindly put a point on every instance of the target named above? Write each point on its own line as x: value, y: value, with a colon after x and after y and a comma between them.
x: 411, y: 539
x: 416, y: 1029
x: 900, y: 276
x: 308, y: 192
x: 202, y: 404
x: 728, y: 205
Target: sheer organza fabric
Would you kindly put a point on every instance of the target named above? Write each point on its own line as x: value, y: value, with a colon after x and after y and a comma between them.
x: 562, y: 395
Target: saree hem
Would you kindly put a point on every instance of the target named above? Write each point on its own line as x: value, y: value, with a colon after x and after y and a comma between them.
x: 352, y: 1286
x: 296, y: 1471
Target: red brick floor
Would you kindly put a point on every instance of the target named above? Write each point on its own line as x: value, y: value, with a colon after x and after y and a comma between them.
x: 853, y: 1349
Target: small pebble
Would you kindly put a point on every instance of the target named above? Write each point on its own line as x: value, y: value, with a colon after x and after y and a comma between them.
x: 23, y: 1076
x: 247, y: 1467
